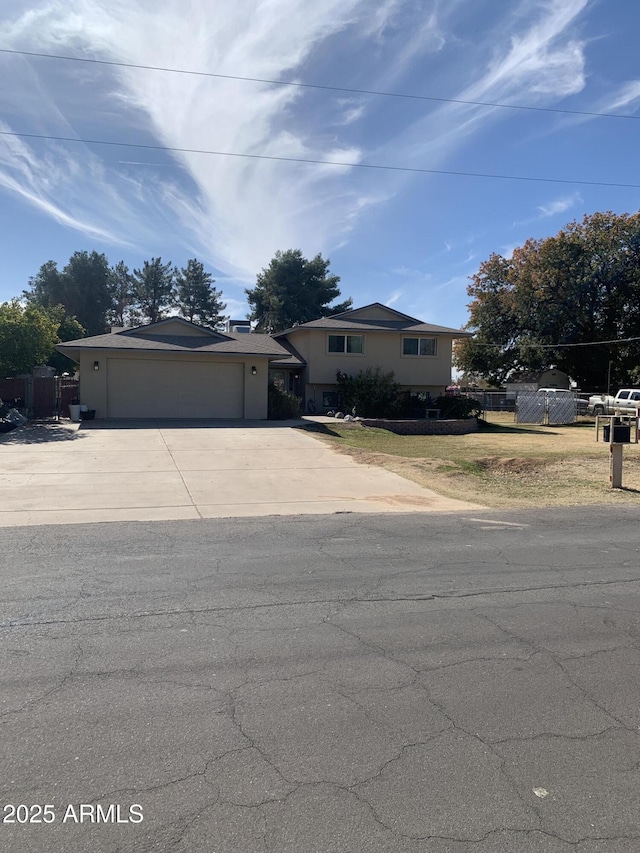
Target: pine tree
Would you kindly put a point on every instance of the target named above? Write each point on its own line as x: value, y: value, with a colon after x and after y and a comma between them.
x: 198, y: 301
x: 153, y: 290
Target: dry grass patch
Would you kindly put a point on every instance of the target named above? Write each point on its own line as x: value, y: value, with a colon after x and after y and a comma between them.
x: 504, y: 465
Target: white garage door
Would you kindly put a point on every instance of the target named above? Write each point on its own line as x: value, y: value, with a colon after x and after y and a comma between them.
x: 173, y: 389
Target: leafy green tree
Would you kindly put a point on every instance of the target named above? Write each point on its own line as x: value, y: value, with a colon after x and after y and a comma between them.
x: 293, y: 290
x: 82, y: 288
x: 69, y: 329
x: 121, y: 293
x: 580, y: 288
x: 28, y: 336
x: 153, y: 290
x: 198, y: 300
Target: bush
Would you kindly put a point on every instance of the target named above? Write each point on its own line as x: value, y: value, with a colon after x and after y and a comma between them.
x: 372, y: 394
x: 282, y: 405
x: 458, y: 407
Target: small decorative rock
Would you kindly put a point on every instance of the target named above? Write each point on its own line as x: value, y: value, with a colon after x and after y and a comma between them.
x: 340, y: 415
x: 348, y: 418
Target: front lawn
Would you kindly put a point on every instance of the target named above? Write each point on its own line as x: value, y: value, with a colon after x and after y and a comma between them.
x: 504, y: 465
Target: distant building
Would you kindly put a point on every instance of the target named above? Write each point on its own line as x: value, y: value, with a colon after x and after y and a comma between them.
x: 551, y: 378
x: 237, y: 327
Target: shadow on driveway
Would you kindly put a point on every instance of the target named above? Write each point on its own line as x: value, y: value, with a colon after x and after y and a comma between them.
x: 40, y: 433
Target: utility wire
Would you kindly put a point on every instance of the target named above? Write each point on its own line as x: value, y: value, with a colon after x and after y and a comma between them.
x: 378, y: 166
x: 559, y: 346
x: 344, y: 89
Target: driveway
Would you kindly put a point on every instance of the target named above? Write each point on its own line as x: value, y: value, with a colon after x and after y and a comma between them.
x: 145, y: 471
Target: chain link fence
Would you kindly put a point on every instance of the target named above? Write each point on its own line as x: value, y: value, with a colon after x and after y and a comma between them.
x: 531, y: 407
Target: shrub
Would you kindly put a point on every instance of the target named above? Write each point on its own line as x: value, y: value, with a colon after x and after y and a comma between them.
x: 282, y: 405
x: 371, y: 394
x: 458, y: 407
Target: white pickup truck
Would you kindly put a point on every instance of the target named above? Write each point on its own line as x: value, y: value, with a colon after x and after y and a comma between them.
x: 627, y: 400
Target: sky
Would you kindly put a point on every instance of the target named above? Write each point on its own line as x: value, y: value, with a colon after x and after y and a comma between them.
x: 408, y: 239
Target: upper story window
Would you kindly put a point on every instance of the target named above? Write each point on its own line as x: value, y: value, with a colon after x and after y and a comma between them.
x: 352, y: 344
x: 419, y: 346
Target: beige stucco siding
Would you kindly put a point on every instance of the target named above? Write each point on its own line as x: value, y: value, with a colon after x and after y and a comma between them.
x: 381, y: 349
x: 161, y: 385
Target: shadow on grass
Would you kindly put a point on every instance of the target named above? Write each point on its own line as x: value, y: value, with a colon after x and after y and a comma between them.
x: 488, y: 426
x: 319, y: 429
x: 39, y: 433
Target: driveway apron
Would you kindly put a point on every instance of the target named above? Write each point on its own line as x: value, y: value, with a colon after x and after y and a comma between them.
x: 145, y: 471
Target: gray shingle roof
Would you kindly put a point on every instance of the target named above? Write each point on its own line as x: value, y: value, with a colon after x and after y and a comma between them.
x: 353, y: 321
x: 247, y: 344
x: 345, y: 324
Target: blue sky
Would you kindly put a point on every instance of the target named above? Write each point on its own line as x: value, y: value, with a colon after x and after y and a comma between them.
x: 405, y: 239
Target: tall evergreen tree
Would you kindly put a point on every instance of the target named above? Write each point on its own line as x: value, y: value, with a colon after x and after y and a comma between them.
x: 198, y: 300
x: 82, y: 288
x: 153, y: 290
x: 294, y: 290
x: 121, y: 290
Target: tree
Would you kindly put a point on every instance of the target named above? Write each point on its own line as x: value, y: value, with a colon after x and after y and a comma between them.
x: 121, y: 293
x: 153, y: 290
x: 198, y: 300
x: 68, y: 329
x: 293, y: 290
x: 82, y: 288
x: 558, y: 301
x: 28, y: 336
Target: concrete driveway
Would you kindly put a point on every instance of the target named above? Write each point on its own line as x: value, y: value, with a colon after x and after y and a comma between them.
x: 144, y: 471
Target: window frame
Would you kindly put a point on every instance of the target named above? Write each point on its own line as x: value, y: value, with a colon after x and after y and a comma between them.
x: 418, y: 354
x: 345, y: 336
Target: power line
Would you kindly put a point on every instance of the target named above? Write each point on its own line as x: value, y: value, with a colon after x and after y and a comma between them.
x: 376, y: 166
x: 343, y: 89
x: 563, y: 346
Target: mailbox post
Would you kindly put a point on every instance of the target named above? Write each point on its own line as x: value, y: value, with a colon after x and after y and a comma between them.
x: 617, y: 430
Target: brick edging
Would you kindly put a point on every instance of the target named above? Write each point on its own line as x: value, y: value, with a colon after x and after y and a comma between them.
x: 424, y: 427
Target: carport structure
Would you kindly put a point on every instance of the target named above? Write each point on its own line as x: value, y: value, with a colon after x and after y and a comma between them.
x: 176, y: 369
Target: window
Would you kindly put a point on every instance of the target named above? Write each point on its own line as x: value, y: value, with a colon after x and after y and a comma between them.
x: 623, y: 395
x: 418, y: 346
x: 353, y: 344
x: 330, y: 399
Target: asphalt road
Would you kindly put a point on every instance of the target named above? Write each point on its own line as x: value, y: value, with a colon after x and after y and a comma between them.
x: 330, y: 684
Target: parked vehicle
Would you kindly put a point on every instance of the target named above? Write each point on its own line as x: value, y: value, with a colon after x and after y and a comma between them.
x: 626, y: 400
x: 561, y: 394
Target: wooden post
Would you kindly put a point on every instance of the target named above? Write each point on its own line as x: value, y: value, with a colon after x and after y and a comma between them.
x: 615, y: 470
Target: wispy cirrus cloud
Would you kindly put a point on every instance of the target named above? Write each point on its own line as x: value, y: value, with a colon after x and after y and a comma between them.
x: 625, y: 97
x: 236, y: 211
x: 559, y: 205
x: 554, y: 207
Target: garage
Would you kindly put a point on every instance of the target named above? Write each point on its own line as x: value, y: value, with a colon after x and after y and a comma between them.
x: 159, y: 388
x: 175, y: 369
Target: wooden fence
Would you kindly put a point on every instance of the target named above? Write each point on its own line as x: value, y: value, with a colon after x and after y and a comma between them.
x: 40, y: 397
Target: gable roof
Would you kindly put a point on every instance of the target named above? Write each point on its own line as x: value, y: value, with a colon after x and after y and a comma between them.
x: 356, y: 320
x: 161, y: 337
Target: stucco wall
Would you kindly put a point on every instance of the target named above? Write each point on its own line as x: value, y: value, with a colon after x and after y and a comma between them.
x: 93, y: 383
x: 382, y: 349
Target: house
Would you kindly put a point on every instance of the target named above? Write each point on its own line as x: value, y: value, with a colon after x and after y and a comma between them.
x: 177, y: 369
x: 419, y: 354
